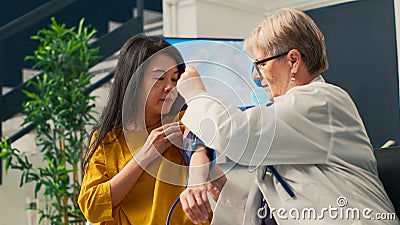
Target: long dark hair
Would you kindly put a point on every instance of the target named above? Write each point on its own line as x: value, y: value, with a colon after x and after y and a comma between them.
x: 133, y: 54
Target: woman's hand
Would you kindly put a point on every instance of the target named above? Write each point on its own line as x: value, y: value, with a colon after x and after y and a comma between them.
x: 190, y: 83
x: 163, y: 137
x: 195, y: 203
x: 194, y: 199
x: 158, y: 141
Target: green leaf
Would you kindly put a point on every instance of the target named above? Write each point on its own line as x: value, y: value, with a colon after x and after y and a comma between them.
x: 37, y: 188
x: 8, y: 163
x: 31, y: 95
x: 4, y: 154
x: 80, y: 26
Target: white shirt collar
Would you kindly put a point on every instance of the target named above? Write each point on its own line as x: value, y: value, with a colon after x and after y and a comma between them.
x: 316, y: 79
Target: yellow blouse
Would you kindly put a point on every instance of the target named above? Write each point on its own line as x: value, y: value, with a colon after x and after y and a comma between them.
x: 149, y: 200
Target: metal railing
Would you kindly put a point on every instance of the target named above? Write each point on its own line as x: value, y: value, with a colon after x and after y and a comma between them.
x: 33, y: 17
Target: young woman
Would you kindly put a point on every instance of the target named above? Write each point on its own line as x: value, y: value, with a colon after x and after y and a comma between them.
x: 134, y: 170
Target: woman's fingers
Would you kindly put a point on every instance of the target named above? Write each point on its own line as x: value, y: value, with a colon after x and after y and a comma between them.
x: 172, y: 129
x: 168, y: 131
x: 158, y: 141
x: 190, y: 84
x: 174, y: 135
x: 165, y: 126
x: 190, y: 72
x: 187, y: 209
x: 207, y: 205
x: 195, y: 204
x: 201, y: 204
x: 162, y: 137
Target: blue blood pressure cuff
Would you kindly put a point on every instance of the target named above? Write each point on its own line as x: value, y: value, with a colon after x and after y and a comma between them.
x: 190, y: 142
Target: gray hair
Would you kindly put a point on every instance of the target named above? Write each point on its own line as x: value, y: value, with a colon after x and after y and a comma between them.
x: 290, y: 29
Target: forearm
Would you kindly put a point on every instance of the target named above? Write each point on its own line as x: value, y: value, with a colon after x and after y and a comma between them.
x: 236, y: 134
x: 224, y: 124
x: 223, y: 127
x: 199, y: 166
x: 127, y: 177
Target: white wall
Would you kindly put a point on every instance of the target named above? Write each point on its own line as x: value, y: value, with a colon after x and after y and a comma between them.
x: 207, y: 18
x: 13, y: 199
x: 225, y: 18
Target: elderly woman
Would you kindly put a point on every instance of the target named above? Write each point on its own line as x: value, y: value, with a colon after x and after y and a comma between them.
x: 321, y: 167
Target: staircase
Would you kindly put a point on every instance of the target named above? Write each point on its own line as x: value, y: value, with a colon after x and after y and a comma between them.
x: 23, y: 137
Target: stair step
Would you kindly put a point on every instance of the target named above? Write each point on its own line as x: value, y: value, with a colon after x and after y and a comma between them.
x: 152, y: 27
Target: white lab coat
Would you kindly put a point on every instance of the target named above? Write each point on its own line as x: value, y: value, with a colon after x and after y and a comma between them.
x: 316, y: 140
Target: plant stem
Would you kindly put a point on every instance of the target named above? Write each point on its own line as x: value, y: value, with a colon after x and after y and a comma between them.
x: 65, y: 197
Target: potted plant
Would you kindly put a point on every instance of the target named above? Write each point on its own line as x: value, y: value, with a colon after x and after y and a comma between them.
x: 60, y: 110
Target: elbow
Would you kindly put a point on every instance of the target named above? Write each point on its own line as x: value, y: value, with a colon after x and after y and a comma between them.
x: 86, y: 208
x: 93, y: 210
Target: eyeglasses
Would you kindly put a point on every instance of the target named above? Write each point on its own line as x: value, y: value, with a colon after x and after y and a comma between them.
x: 257, y: 63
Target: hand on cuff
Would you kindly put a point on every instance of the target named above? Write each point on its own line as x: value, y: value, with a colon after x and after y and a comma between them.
x: 190, y: 84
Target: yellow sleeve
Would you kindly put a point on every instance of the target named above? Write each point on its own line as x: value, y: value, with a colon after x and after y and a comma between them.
x: 180, y: 115
x: 95, y: 196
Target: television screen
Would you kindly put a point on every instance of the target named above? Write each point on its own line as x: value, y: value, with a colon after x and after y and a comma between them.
x: 225, y: 68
